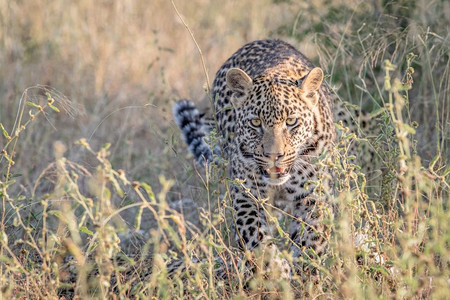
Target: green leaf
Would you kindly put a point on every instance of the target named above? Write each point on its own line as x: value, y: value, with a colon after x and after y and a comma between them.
x: 446, y: 172
x: 379, y: 268
x: 56, y: 213
x: 86, y: 230
x: 8, y: 158
x: 53, y: 107
x: 33, y: 105
x: 116, y: 185
x: 107, y: 194
x: 377, y: 112
x: 138, y: 218
x: 5, y: 259
x: 149, y: 190
x: 5, y: 133
x: 409, y: 129
x: 434, y: 161
x: 8, y: 183
x: 20, y: 198
x: 349, y: 136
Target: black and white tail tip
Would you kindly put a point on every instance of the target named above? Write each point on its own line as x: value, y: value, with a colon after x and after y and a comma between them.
x: 188, y: 119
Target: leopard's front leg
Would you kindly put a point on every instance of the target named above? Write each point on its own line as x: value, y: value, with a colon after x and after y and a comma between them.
x: 252, y: 232
x: 311, y: 210
x: 308, y: 230
x: 251, y: 227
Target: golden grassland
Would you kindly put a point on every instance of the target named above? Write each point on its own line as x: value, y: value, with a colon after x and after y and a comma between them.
x: 98, y: 192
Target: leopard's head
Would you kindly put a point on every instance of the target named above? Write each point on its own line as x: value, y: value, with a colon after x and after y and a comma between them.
x: 277, y: 118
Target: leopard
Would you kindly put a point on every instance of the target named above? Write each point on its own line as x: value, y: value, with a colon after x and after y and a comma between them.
x: 273, y: 113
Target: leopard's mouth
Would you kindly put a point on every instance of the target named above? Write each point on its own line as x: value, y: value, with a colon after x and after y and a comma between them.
x: 275, y: 172
x: 275, y: 175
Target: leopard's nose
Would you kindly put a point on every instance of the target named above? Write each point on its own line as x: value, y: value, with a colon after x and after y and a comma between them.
x: 274, y: 155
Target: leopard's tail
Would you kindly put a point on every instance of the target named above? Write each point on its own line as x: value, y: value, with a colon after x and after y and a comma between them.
x: 190, y: 122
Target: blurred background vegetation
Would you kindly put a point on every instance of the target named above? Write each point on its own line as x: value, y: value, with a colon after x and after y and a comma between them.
x: 113, y: 58
x: 115, y: 68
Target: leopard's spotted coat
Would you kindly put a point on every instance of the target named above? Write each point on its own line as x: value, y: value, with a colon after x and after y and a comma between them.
x: 274, y: 116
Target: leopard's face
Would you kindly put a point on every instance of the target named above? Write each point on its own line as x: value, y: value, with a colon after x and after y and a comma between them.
x: 275, y: 119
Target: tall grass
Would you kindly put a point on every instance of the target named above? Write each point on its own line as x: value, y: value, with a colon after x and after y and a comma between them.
x: 98, y: 196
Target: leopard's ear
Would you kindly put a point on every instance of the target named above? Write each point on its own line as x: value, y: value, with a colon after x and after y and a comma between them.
x: 310, y: 85
x: 239, y: 83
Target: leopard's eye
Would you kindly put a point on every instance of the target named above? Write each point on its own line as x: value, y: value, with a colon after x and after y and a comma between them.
x: 255, y: 122
x: 291, y: 121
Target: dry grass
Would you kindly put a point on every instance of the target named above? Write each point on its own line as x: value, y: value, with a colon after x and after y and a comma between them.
x: 97, y: 197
